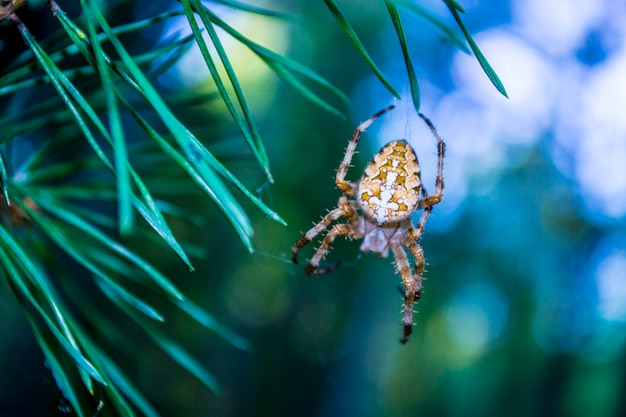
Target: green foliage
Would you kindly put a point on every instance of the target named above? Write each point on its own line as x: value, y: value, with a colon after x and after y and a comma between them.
x: 77, y: 202
x: 455, y: 8
x: 356, y: 42
x: 397, y: 23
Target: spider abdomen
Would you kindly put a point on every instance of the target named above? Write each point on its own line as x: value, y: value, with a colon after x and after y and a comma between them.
x: 389, y: 190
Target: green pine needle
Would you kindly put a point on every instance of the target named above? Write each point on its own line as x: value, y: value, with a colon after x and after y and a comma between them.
x: 124, y: 190
x: 397, y: 24
x: 4, y: 181
x: 449, y: 34
x: 491, y: 74
x: 354, y: 39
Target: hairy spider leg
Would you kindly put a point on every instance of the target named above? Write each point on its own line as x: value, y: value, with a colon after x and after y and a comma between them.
x: 435, y: 198
x: 345, y: 208
x: 342, y: 184
x: 412, y: 281
x: 412, y: 284
x: 342, y: 229
x: 315, y: 230
x: 415, y: 232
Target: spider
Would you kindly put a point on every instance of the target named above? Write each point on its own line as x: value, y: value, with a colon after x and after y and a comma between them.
x: 378, y: 208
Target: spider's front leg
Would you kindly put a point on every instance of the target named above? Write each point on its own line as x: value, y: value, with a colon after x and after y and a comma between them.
x: 415, y: 232
x: 431, y: 200
x: 340, y: 181
x: 344, y: 209
x: 313, y: 268
x: 412, y: 281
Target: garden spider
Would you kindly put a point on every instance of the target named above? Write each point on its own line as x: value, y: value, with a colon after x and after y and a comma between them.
x: 378, y: 209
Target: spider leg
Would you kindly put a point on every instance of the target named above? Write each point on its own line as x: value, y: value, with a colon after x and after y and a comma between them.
x: 342, y: 184
x: 345, y: 208
x: 412, y: 281
x: 416, y: 231
x: 343, y: 229
x: 431, y: 200
x: 317, y: 229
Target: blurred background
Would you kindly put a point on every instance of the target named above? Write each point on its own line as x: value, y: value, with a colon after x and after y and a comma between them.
x: 523, y: 310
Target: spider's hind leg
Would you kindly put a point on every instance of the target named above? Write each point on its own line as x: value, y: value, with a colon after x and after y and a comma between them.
x: 412, y: 281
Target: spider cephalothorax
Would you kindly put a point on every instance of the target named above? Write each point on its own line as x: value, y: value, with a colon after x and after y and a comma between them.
x: 378, y: 209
